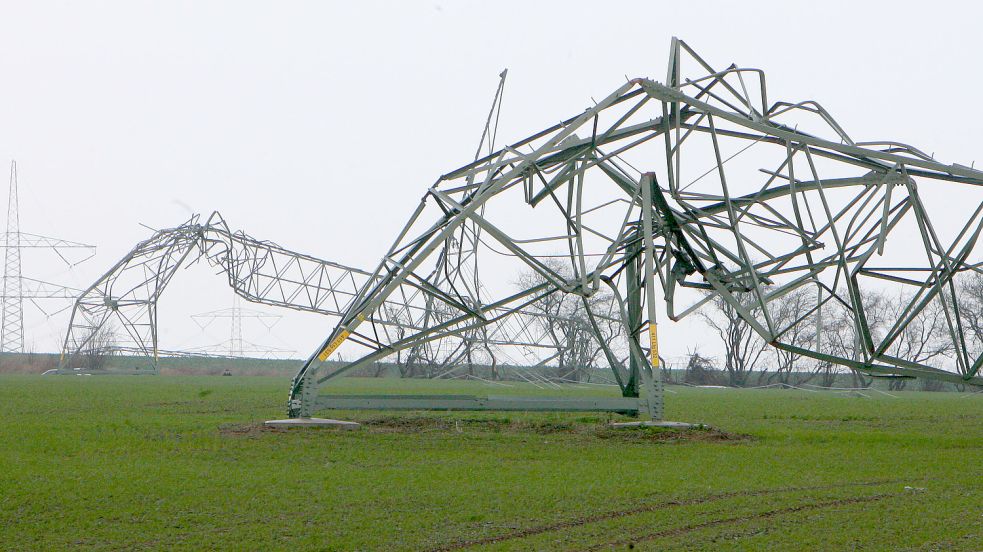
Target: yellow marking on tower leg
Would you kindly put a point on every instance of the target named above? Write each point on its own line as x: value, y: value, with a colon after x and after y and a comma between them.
x: 335, y: 343
x: 654, y: 344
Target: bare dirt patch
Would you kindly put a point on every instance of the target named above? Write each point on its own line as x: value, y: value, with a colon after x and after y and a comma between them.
x: 599, y: 430
x: 410, y: 424
x: 670, y: 435
x: 248, y: 430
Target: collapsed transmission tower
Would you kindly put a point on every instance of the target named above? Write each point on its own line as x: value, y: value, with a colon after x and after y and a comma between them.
x: 17, y: 287
x: 118, y: 313
x: 694, y: 189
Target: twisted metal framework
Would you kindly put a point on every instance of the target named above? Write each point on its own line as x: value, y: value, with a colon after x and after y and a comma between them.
x: 124, y: 300
x: 118, y: 313
x: 699, y: 184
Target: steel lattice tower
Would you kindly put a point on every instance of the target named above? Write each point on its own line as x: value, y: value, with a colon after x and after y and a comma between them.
x: 17, y: 288
x: 12, y: 332
x: 236, y: 346
x: 235, y: 339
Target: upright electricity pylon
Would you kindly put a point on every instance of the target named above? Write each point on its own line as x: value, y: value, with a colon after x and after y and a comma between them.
x: 12, y: 332
x: 235, y: 339
x: 17, y: 288
x: 236, y: 346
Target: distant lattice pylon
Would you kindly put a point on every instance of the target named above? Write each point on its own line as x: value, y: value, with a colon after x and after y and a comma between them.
x: 17, y: 288
x: 236, y: 346
x: 12, y: 336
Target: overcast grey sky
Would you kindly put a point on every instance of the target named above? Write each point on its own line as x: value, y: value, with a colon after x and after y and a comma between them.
x: 319, y: 125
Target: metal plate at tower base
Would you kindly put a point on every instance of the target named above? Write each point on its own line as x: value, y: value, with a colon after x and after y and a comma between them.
x: 313, y: 422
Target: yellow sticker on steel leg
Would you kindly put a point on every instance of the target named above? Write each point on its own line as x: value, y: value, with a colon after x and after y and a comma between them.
x: 335, y: 343
x: 654, y: 344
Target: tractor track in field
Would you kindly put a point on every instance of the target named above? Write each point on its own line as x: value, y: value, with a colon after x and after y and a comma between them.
x: 615, y: 514
x: 675, y: 531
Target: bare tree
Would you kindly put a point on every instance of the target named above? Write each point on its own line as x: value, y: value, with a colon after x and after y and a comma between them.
x: 791, y: 311
x: 840, y: 335
x: 406, y: 360
x: 743, y: 347
x: 700, y: 370
x: 970, y: 302
x: 421, y: 360
x: 826, y: 371
x: 99, y: 344
x: 924, y: 339
x: 929, y: 384
x: 564, y: 318
x: 667, y: 374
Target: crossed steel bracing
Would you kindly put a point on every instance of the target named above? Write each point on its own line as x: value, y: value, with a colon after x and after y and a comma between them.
x: 118, y: 313
x: 703, y: 186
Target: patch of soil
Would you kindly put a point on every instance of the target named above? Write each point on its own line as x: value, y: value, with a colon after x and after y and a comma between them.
x: 416, y: 424
x: 247, y: 430
x: 409, y: 424
x: 670, y: 435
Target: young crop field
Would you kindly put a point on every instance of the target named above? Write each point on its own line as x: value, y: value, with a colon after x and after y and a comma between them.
x: 184, y: 462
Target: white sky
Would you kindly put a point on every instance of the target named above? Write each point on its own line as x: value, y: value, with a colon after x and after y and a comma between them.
x: 319, y: 125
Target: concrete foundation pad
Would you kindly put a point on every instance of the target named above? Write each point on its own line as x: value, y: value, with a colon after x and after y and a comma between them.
x: 313, y: 422
x: 654, y: 423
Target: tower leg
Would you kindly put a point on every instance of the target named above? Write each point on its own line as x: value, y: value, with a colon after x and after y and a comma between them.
x: 656, y: 389
x: 308, y: 395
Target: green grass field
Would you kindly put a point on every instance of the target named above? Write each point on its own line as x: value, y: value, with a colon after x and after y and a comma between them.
x: 184, y: 463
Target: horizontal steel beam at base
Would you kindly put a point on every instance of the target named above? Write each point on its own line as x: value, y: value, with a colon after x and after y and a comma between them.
x: 621, y: 405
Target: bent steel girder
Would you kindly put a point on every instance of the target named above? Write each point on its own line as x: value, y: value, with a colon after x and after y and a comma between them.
x: 118, y: 313
x: 127, y: 295
x: 124, y: 300
x: 748, y: 201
